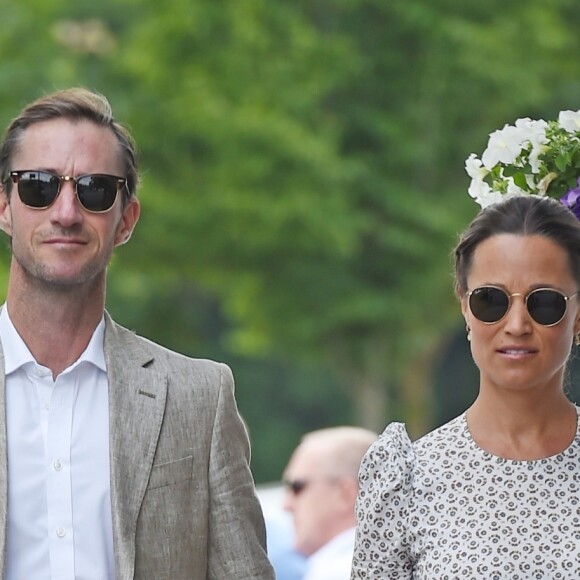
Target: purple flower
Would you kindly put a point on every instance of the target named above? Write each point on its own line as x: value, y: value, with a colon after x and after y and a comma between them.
x: 571, y: 199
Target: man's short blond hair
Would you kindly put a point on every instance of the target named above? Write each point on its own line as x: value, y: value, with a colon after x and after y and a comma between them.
x: 343, y: 448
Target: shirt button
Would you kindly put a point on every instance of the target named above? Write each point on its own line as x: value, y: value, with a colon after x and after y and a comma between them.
x: 57, y: 467
x: 46, y: 405
x: 60, y: 532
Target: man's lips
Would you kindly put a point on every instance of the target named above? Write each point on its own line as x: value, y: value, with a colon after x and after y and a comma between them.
x: 64, y: 240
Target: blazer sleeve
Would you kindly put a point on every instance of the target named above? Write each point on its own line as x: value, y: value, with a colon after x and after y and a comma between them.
x: 237, y: 536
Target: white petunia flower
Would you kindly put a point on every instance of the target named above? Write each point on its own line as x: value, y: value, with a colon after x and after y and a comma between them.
x: 542, y: 157
x: 474, y: 167
x: 490, y: 198
x: 534, y: 159
x: 535, y: 133
x: 504, y: 146
x: 533, y: 130
x: 569, y: 120
x: 512, y: 189
x: 481, y: 192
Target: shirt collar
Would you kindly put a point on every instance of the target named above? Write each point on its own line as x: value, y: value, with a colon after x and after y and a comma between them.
x: 16, y: 353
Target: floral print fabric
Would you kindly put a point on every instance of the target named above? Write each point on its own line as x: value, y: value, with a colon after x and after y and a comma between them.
x: 442, y: 508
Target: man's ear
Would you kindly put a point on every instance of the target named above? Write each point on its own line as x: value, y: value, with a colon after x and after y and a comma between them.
x: 128, y: 220
x: 5, y: 212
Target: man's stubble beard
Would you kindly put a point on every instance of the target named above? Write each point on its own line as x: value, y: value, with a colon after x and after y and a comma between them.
x: 44, y: 278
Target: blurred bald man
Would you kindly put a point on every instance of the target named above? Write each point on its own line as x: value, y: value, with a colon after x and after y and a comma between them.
x: 321, y: 487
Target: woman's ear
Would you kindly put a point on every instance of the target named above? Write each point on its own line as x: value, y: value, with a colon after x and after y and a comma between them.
x: 577, y: 324
x: 464, y: 308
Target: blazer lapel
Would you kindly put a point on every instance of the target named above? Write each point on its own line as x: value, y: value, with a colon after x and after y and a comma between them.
x: 137, y: 397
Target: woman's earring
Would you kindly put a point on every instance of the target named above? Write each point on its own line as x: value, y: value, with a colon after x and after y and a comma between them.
x: 468, y: 330
x: 577, y: 339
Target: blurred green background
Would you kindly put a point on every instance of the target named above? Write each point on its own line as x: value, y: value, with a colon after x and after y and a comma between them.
x: 303, y: 182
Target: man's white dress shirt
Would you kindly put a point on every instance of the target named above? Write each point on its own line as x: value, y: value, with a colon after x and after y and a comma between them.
x: 334, y: 560
x: 59, y: 523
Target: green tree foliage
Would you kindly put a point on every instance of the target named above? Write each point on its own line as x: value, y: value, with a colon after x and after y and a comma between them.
x: 303, y: 172
x: 327, y: 141
x: 290, y: 147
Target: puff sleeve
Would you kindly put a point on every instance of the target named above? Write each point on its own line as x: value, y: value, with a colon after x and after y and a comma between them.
x: 382, y: 548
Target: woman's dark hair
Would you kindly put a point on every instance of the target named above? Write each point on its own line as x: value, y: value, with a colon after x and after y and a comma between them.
x: 526, y: 215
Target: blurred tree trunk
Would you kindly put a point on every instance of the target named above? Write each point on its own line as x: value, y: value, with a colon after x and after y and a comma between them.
x: 417, y: 392
x: 371, y: 403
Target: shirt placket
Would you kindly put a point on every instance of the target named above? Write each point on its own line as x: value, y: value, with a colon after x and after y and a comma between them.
x: 58, y: 475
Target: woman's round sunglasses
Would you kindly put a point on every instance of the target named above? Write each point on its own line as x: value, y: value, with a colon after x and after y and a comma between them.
x: 546, y: 306
x: 39, y: 189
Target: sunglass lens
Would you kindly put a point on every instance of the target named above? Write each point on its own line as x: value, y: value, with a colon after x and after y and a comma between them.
x: 546, y: 307
x: 297, y: 486
x: 488, y: 304
x: 37, y: 189
x: 97, y: 192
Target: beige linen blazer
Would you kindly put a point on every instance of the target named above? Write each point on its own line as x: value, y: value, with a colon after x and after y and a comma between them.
x: 182, y: 495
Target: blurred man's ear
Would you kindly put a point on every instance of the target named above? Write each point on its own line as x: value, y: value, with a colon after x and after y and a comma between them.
x: 348, y: 486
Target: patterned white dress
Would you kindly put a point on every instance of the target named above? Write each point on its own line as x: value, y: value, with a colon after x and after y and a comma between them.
x: 442, y: 508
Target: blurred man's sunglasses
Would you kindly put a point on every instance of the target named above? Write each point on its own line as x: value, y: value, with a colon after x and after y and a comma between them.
x: 296, y: 487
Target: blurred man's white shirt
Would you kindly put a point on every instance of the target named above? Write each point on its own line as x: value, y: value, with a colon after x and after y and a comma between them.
x: 334, y: 560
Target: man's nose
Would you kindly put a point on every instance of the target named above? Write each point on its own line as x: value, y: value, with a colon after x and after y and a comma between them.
x: 66, y: 209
